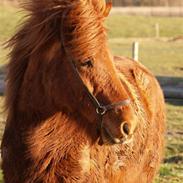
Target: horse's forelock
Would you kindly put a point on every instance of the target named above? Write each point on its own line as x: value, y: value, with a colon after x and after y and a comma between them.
x: 89, y: 35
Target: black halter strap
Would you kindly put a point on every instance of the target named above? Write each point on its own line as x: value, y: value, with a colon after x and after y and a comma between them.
x: 100, y: 109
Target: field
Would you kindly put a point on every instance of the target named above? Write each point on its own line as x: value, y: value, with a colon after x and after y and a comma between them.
x: 163, y: 55
x: 143, y: 27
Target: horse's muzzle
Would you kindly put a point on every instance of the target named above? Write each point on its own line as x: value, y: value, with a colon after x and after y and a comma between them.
x: 106, y: 137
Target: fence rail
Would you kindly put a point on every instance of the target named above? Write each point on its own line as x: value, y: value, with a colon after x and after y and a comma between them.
x: 147, y: 2
x: 149, y: 11
x: 122, y: 3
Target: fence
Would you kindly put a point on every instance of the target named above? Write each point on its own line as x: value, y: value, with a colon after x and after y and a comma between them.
x: 147, y: 2
x: 129, y: 2
x: 149, y: 11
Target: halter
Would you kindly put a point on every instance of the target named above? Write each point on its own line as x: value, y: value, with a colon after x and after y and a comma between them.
x: 100, y: 109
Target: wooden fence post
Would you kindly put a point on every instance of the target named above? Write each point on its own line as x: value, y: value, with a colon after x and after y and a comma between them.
x: 135, y: 51
x: 157, y: 30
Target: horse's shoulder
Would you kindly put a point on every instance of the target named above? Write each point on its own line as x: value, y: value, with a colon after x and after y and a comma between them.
x: 135, y: 71
x: 141, y: 79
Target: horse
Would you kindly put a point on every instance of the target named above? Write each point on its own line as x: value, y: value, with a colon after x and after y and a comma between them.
x: 75, y: 112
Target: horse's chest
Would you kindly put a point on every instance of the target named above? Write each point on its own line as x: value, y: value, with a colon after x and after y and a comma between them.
x: 102, y: 164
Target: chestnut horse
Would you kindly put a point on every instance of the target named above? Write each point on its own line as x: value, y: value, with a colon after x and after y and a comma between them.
x: 75, y: 112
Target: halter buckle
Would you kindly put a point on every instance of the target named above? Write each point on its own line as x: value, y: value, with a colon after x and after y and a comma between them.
x: 101, y: 110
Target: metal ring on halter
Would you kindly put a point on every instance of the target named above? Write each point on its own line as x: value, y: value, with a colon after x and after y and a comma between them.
x: 101, y: 110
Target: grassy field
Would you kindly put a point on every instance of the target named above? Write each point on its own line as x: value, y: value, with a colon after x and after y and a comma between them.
x: 162, y: 56
x: 140, y: 26
x: 172, y: 170
x: 9, y: 18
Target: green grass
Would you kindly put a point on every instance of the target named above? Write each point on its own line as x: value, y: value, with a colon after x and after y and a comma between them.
x: 172, y: 172
x: 1, y: 177
x: 9, y: 18
x: 162, y: 57
x: 141, y: 26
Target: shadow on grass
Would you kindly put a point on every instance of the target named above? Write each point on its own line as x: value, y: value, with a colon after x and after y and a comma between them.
x: 173, y: 89
x: 174, y: 159
x: 176, y: 102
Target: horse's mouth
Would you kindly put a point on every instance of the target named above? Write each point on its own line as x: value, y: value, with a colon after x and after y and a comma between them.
x: 107, y: 138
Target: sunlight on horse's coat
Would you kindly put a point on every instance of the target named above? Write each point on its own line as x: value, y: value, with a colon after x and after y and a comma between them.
x: 85, y: 160
x: 61, y: 79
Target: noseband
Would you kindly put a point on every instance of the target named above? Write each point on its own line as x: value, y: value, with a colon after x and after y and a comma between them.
x: 100, y: 109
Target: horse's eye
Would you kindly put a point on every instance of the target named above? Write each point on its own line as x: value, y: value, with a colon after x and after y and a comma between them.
x: 87, y: 63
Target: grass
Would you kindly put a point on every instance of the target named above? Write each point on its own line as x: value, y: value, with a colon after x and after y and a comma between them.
x: 1, y: 177
x: 141, y: 26
x: 9, y: 18
x: 162, y: 56
x: 172, y: 172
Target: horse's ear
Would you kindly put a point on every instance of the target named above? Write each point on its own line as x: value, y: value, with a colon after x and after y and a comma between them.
x: 107, y: 9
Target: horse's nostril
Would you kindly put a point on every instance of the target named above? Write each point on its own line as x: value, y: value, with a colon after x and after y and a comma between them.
x: 126, y: 129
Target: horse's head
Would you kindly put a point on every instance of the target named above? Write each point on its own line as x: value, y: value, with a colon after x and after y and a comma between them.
x: 86, y: 76
x: 113, y: 110
x: 84, y: 43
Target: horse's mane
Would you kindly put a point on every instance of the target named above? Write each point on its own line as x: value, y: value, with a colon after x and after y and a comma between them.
x: 84, y: 36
